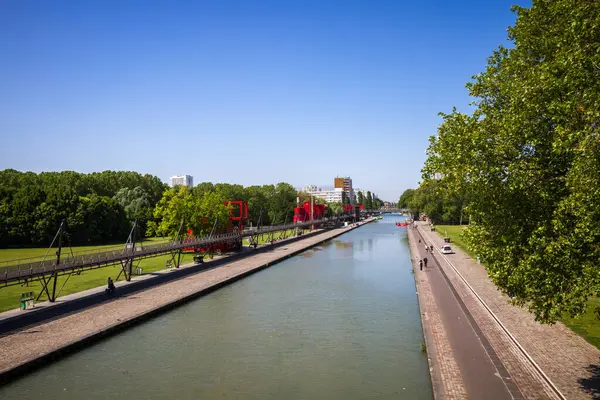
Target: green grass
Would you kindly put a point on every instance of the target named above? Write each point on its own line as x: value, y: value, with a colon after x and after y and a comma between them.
x: 277, y: 235
x: 587, y: 325
x: 9, y: 296
x: 36, y: 252
x: 454, y: 232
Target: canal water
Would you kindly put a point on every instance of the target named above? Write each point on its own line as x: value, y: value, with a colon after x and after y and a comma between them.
x: 340, y: 321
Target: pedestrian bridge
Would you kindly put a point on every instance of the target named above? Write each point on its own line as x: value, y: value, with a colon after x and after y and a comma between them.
x: 21, y: 271
x: 388, y: 210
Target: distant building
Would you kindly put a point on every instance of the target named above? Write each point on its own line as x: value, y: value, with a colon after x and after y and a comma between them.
x: 330, y: 196
x: 182, y: 180
x: 357, y: 191
x: 344, y: 183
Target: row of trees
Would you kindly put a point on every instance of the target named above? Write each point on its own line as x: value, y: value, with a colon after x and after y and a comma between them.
x: 97, y: 207
x: 202, y: 205
x: 370, y: 201
x: 433, y: 199
x: 101, y: 207
x: 527, y: 160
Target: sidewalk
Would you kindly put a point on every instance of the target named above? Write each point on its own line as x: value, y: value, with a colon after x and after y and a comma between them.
x: 460, y: 355
x: 446, y: 378
x: 567, y: 360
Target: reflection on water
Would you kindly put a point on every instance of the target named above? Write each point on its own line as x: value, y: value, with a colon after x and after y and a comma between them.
x: 340, y: 323
x: 340, y: 244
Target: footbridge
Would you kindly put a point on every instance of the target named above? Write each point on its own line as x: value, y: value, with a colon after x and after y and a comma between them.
x: 48, y: 269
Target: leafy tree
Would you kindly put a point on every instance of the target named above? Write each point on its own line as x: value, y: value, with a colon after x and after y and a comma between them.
x: 203, y: 187
x: 345, y: 198
x: 361, y: 198
x: 282, y: 203
x: 173, y: 208
x: 527, y: 159
x: 369, y: 201
x: 137, y: 205
x: 335, y: 208
x: 257, y: 204
x: 230, y: 192
x: 205, y: 211
x: 97, y: 219
x: 405, y: 198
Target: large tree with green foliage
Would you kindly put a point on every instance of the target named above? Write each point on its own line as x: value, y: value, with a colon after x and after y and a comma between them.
x: 360, y: 199
x: 197, y: 212
x: 528, y: 159
x: 137, y: 205
x: 405, y: 198
x: 369, y: 201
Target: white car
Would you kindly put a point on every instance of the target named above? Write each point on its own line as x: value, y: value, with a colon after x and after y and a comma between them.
x: 446, y: 249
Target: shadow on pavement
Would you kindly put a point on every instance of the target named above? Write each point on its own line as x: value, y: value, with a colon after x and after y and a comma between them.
x: 591, y: 384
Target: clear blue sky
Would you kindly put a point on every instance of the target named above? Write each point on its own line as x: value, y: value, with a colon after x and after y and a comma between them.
x: 248, y: 92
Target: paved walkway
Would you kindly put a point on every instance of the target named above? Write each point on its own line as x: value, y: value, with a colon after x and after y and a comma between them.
x: 461, y: 357
x: 563, y: 358
x: 34, y: 343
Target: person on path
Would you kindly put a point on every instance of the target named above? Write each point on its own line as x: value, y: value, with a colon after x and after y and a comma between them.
x: 426, y: 248
x: 431, y: 249
x: 111, y: 286
x: 419, y: 240
x: 421, y: 265
x: 425, y: 261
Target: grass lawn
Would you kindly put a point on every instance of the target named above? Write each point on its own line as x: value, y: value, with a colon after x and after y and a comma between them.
x: 9, y: 296
x: 35, y: 252
x: 264, y: 238
x: 587, y: 326
x: 454, y: 232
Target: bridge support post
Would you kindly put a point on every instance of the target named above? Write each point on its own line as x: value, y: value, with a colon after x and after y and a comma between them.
x: 178, y: 240
x: 54, y: 275
x: 127, y: 264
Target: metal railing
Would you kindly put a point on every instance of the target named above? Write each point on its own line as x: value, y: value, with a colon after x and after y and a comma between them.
x: 18, y: 270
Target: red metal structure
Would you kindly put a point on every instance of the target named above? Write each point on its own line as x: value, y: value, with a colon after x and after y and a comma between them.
x: 303, y: 214
x: 238, y: 215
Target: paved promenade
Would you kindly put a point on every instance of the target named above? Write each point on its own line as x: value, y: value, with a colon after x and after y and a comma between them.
x: 37, y: 344
x: 541, y: 361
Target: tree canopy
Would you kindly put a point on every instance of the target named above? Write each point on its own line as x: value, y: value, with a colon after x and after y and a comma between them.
x: 405, y: 198
x: 526, y: 162
x: 97, y: 207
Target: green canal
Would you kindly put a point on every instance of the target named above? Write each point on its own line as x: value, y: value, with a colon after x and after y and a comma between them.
x: 340, y: 321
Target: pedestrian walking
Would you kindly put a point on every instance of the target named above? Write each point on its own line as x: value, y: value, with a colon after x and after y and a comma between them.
x: 421, y: 265
x: 426, y: 249
x: 419, y: 240
x: 425, y: 261
x: 431, y: 248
